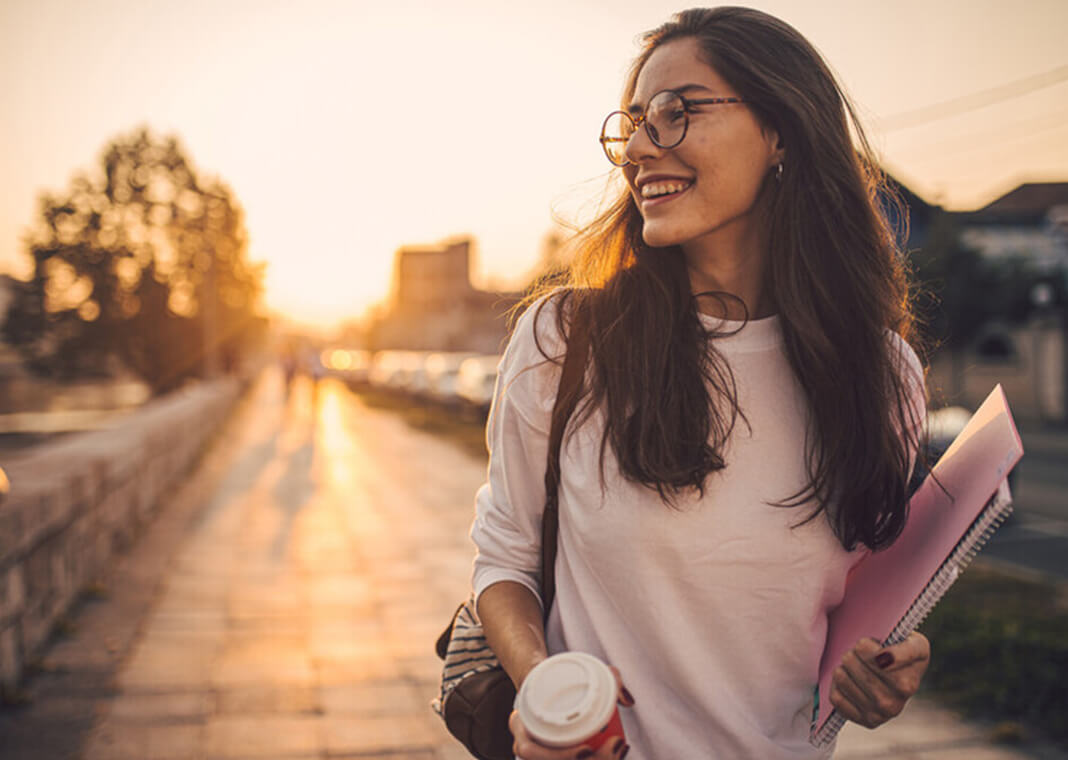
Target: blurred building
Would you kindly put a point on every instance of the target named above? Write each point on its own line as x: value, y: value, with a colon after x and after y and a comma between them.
x: 1026, y: 229
x: 1029, y: 224
x: 434, y: 306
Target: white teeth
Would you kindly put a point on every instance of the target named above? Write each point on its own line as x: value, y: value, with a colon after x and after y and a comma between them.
x: 654, y: 189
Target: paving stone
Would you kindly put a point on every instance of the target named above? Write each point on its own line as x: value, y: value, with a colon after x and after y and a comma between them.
x: 268, y: 699
x: 451, y: 750
x: 125, y: 741
x: 923, y: 731
x: 333, y: 671
x: 262, y: 736
x: 373, y: 698
x: 359, y: 735
x: 337, y: 646
x: 160, y: 667
x: 292, y: 667
x: 162, y: 708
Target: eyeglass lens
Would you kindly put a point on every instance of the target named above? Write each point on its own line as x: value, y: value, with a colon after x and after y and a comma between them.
x: 665, y: 121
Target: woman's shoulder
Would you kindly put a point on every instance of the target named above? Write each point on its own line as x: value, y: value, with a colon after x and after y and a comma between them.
x: 909, y: 367
x: 529, y: 372
x: 904, y: 355
x: 539, y: 334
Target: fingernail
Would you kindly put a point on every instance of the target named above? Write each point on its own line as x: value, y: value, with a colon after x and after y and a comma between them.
x: 884, y: 659
x: 584, y: 754
x: 628, y: 700
x: 626, y: 749
x: 617, y: 745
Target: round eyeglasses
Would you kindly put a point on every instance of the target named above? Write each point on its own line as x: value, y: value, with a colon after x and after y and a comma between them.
x: 666, y: 119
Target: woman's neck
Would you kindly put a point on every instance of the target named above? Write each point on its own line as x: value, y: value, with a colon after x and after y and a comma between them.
x: 732, y: 264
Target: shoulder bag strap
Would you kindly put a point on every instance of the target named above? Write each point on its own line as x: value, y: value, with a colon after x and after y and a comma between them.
x: 567, y: 397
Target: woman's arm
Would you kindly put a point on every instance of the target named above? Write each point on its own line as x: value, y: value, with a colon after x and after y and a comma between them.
x: 511, y: 620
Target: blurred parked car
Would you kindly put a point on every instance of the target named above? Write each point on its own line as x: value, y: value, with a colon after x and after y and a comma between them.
x: 347, y: 365
x: 475, y: 380
x: 399, y: 371
x: 442, y: 371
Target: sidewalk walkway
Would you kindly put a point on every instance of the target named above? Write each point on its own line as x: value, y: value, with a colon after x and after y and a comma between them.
x: 285, y: 605
x: 926, y: 731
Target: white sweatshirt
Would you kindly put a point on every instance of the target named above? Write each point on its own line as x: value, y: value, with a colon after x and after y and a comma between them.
x: 715, y: 613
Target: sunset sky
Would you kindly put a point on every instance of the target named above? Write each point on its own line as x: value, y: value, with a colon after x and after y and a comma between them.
x: 348, y: 129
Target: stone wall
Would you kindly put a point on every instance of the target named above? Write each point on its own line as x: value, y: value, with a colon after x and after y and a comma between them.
x: 77, y: 501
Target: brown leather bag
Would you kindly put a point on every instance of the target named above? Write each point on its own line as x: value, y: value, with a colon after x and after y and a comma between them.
x: 477, y: 695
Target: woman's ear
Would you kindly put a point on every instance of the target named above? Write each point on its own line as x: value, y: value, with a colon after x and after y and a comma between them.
x: 776, y: 149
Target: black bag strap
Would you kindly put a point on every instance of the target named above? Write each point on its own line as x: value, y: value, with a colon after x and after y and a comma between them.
x: 567, y: 397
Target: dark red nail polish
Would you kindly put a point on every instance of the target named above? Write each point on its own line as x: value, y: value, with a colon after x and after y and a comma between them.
x: 617, y: 745
x: 628, y: 700
x: 884, y: 659
x: 626, y: 749
x: 583, y: 754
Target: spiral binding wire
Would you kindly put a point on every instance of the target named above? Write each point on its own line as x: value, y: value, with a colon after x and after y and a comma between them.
x: 990, y: 518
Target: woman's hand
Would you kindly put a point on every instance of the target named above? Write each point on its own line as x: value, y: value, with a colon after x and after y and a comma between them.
x: 525, y: 748
x: 873, y: 683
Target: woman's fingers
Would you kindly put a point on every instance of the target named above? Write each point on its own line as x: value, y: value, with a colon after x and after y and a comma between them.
x: 625, y: 698
x: 873, y: 683
x: 525, y: 748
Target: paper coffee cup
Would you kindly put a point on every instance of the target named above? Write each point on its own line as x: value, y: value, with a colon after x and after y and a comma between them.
x: 570, y: 699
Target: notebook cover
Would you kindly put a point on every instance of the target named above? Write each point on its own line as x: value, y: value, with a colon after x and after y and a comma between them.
x: 882, y: 587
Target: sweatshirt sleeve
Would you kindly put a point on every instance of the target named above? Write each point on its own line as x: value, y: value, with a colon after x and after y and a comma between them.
x: 911, y: 369
x: 508, y: 507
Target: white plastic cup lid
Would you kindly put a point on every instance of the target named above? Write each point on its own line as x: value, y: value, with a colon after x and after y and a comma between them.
x: 567, y: 698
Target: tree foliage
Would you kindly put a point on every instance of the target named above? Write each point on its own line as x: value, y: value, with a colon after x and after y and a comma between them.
x: 961, y: 292
x: 144, y: 262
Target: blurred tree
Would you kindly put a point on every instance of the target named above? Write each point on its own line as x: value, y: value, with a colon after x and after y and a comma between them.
x: 960, y: 292
x: 146, y: 263
x: 956, y: 292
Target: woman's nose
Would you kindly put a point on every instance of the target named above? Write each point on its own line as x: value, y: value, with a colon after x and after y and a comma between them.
x: 640, y: 146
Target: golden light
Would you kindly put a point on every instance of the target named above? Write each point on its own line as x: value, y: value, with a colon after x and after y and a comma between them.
x: 337, y: 359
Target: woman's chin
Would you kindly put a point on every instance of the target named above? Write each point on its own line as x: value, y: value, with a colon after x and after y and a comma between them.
x: 655, y: 236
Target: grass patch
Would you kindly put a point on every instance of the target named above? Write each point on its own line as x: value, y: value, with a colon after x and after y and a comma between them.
x: 464, y: 427
x: 1000, y: 652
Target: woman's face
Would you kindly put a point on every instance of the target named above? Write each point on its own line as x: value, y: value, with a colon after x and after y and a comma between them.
x: 710, y: 182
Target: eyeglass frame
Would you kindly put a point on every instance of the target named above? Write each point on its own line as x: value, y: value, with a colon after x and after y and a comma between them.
x: 687, y: 104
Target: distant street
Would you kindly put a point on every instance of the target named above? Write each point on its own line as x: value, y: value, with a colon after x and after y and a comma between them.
x: 1036, y: 537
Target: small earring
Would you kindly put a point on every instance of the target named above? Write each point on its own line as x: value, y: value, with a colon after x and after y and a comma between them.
x: 778, y: 172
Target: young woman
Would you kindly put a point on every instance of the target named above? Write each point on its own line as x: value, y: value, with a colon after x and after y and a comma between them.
x: 752, y: 408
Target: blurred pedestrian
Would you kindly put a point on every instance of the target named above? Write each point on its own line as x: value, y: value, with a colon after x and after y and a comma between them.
x: 288, y: 360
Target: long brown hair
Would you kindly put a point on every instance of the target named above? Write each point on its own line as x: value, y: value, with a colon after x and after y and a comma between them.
x: 835, y: 274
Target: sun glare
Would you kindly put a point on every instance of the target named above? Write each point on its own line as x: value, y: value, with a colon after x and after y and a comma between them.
x: 348, y: 130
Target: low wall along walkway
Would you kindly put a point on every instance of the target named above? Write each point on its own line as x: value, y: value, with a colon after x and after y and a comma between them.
x: 75, y: 502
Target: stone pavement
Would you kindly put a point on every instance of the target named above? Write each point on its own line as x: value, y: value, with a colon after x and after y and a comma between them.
x: 285, y: 606
x: 297, y: 619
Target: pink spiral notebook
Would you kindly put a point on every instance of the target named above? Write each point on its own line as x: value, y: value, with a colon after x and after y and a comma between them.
x: 889, y: 593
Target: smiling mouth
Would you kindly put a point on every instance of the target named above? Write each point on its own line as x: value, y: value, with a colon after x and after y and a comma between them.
x: 664, y: 189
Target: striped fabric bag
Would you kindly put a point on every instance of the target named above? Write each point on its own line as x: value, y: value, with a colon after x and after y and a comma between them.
x: 466, y: 652
x: 476, y: 695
